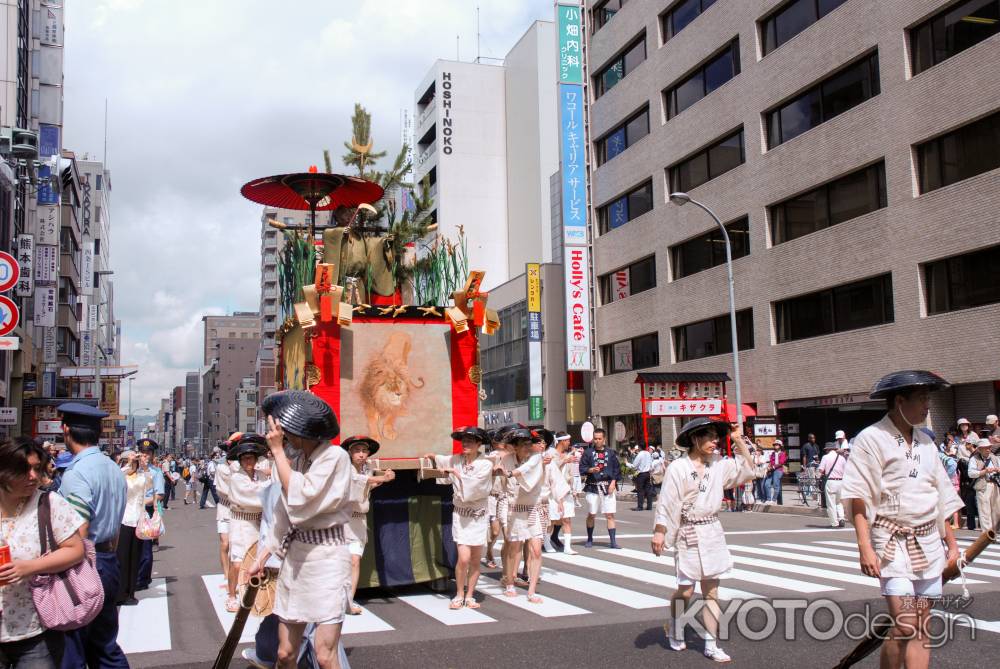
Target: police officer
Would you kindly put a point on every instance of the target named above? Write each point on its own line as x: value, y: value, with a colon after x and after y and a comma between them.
x: 95, y: 487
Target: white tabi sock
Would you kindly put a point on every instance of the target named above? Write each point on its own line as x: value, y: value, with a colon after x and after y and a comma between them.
x: 710, y: 644
x: 567, y: 540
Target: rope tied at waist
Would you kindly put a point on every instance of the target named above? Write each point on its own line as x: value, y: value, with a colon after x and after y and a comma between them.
x: 688, y: 532
x: 328, y: 536
x: 522, y: 508
x: 918, y: 560
x: 252, y: 516
x: 470, y: 512
x: 223, y: 500
x: 359, y: 514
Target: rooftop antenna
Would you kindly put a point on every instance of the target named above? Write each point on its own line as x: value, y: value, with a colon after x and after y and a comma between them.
x: 478, y: 53
x: 457, y: 53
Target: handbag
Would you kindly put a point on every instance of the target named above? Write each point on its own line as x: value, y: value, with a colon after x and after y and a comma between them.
x: 73, y: 598
x: 150, y: 527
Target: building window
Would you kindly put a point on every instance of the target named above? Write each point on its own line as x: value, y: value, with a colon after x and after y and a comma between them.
x: 836, y: 94
x: 636, y: 353
x: 622, y: 137
x: 251, y: 413
x: 504, y: 359
x: 791, y: 19
x: 963, y: 281
x: 855, y: 305
x: 960, y: 154
x: 622, y: 210
x: 709, y: 250
x: 603, y: 12
x: 707, y: 77
x: 952, y: 31
x: 708, y: 163
x: 680, y: 15
x: 620, y: 67
x: 98, y: 181
x: 713, y: 336
x: 848, y: 197
x: 636, y: 278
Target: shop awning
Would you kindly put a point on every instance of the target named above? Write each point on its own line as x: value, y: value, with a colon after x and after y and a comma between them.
x: 681, y: 377
x: 748, y: 411
x: 56, y: 401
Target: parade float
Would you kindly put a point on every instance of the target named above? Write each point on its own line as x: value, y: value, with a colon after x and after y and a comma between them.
x: 382, y: 320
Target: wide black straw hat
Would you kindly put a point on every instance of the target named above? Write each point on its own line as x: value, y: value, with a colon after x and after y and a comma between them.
x: 302, y: 414
x: 516, y: 434
x: 373, y: 445
x: 684, y: 436
x: 471, y: 431
x: 247, y: 443
x: 905, y: 380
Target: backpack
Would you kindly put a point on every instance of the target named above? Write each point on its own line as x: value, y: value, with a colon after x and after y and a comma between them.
x: 185, y: 474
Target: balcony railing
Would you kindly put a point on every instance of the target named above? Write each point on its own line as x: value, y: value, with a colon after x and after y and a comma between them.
x: 426, y: 154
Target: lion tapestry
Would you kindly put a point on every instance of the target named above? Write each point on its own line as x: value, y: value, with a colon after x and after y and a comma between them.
x: 403, y: 382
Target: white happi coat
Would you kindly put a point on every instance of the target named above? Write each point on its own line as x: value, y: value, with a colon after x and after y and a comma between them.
x: 244, y: 498
x: 525, y: 516
x: 555, y: 483
x: 359, y: 504
x: 223, y: 473
x: 699, y: 498
x: 315, y: 579
x: 472, y: 484
x: 911, y: 491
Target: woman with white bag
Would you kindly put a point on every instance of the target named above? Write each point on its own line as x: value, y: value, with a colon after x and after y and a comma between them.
x: 24, y: 642
x: 129, y: 547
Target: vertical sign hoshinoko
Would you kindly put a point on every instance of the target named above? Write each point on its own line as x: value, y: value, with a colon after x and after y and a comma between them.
x: 573, y: 171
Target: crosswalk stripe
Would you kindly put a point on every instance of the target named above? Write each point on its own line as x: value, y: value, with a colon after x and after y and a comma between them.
x: 961, y: 619
x: 828, y: 574
x: 548, y: 608
x: 599, y: 589
x: 643, y: 575
x: 738, y: 574
x: 992, y: 551
x: 612, y: 593
x: 851, y: 553
x: 151, y: 613
x: 366, y: 622
x: 436, y: 606
x: 218, y: 597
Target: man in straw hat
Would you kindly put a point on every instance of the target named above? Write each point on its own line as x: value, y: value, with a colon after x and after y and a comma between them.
x: 686, y: 518
x: 984, y: 469
x: 898, y: 497
x: 311, y: 529
x: 471, y: 476
x: 832, y: 468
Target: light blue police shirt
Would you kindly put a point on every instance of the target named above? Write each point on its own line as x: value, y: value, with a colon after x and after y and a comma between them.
x: 96, y: 488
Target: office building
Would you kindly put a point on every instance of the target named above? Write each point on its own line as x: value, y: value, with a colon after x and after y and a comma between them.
x: 485, y: 138
x: 240, y: 325
x: 245, y: 418
x: 272, y: 241
x: 235, y: 361
x: 851, y: 149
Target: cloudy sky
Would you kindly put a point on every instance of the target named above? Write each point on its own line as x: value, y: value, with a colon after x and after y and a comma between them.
x: 205, y: 95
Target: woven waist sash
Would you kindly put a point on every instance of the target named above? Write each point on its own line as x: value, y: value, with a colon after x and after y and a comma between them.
x: 328, y: 536
x: 223, y: 500
x: 470, y: 512
x: 252, y: 516
x: 688, y: 524
x: 918, y: 560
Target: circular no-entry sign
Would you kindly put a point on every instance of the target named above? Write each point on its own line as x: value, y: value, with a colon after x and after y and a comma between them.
x: 8, y: 315
x: 10, y: 272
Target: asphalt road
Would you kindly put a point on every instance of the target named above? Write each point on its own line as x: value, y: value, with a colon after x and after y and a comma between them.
x: 602, y: 608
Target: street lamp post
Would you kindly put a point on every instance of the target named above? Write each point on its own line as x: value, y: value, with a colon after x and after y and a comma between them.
x: 680, y: 199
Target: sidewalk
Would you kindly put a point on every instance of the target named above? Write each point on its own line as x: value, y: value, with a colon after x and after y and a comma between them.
x: 790, y: 496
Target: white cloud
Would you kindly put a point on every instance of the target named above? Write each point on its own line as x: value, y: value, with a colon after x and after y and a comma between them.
x: 205, y: 96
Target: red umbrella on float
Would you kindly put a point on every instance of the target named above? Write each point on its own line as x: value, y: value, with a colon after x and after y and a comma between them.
x: 311, y: 191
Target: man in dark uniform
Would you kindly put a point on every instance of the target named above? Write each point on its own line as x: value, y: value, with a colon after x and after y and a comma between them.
x: 95, y: 486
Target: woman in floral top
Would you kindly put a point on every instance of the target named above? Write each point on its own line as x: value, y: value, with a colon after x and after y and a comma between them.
x: 23, y: 640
